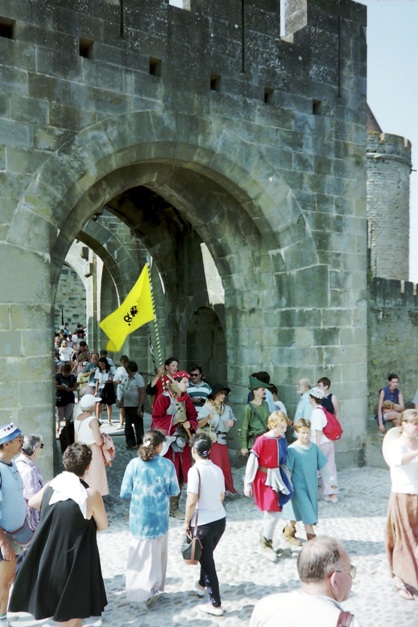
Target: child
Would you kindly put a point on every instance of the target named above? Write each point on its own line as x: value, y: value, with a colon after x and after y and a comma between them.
x: 263, y: 468
x: 318, y: 422
x: 304, y: 459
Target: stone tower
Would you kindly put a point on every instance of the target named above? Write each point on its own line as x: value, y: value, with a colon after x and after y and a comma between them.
x: 388, y: 172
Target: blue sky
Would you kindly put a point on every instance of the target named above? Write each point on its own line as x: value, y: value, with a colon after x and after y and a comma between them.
x: 392, y: 91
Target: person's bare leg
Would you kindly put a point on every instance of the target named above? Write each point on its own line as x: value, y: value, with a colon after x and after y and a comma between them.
x: 74, y: 622
x: 7, y: 575
x: 109, y: 413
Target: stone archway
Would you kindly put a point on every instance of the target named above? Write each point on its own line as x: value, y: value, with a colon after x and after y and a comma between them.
x: 233, y: 199
x: 206, y: 345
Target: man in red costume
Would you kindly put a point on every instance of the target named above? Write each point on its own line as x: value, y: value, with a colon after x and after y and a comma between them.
x: 175, y: 414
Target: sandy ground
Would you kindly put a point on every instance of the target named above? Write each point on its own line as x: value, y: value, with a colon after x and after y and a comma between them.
x: 245, y: 576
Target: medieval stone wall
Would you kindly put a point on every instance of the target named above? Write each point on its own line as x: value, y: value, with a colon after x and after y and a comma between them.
x: 393, y: 337
x: 256, y: 146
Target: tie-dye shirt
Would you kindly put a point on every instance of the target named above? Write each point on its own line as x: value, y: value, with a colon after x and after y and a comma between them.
x: 149, y: 485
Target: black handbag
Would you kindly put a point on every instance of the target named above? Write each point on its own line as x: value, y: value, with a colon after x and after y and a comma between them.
x: 191, y: 549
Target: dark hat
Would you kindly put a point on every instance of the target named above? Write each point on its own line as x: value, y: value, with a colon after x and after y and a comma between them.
x: 217, y: 388
x: 256, y: 383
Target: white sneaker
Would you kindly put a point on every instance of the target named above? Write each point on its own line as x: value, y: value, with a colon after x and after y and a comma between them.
x: 266, y: 548
x: 211, y: 609
x: 149, y: 603
x: 200, y: 590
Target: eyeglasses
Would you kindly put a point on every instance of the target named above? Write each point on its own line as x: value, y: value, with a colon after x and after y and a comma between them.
x: 194, y: 374
x: 352, y: 571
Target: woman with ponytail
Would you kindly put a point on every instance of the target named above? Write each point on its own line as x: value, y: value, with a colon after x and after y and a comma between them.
x: 149, y: 481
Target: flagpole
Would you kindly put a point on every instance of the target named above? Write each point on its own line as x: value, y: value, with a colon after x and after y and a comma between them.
x: 157, y: 336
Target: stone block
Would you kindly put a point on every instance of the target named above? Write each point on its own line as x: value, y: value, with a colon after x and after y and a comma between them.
x: 15, y: 134
x: 327, y: 337
x: 25, y: 160
x: 5, y: 321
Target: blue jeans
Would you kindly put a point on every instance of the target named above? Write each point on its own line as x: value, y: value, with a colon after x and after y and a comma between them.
x: 209, y: 535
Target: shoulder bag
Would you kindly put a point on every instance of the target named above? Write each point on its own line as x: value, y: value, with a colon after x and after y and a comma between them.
x: 191, y: 549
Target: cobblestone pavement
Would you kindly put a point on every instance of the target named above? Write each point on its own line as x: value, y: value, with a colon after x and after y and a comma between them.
x: 245, y: 576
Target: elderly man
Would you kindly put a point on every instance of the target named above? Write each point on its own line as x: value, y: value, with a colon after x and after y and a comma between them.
x: 304, y: 408
x: 327, y: 575
x: 12, y: 511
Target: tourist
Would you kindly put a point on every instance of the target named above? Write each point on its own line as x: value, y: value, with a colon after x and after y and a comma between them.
x: 198, y: 389
x: 30, y: 473
x: 318, y: 422
x: 391, y: 414
x: 205, y: 494
x: 105, y: 388
x: 217, y: 418
x: 65, y: 351
x: 65, y: 386
x: 263, y: 478
x: 131, y: 395
x: 330, y: 401
x: 149, y: 481
x: 304, y: 408
x: 12, y: 511
x: 87, y: 431
x: 327, y: 575
x: 119, y: 378
x: 61, y: 575
x: 402, y: 523
x: 89, y: 371
x: 278, y: 404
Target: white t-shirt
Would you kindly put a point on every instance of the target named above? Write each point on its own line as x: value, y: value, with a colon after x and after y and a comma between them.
x: 404, y: 478
x: 102, y: 376
x: 297, y: 609
x: 318, y: 422
x: 212, y: 486
x: 121, y: 374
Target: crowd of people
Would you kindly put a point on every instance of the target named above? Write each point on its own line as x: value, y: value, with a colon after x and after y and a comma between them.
x: 187, y: 444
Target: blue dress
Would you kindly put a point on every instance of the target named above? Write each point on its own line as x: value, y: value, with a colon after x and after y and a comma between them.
x: 304, y: 463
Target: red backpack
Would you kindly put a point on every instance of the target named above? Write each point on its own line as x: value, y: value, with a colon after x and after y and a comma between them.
x: 332, y: 429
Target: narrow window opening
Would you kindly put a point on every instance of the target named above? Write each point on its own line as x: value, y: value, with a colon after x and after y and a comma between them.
x: 268, y: 95
x: 86, y: 48
x: 316, y: 107
x: 215, y: 82
x: 7, y: 28
x: 155, y: 66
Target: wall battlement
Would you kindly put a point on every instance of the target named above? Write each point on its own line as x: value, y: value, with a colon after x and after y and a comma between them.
x: 211, y: 47
x: 385, y: 145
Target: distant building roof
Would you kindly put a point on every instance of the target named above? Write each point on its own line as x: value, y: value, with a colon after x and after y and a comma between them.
x: 372, y: 123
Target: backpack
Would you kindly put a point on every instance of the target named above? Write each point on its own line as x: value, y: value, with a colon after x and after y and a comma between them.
x: 344, y: 619
x: 332, y: 429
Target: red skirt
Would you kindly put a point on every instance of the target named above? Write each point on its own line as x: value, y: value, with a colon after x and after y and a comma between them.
x: 220, y: 457
x: 266, y: 499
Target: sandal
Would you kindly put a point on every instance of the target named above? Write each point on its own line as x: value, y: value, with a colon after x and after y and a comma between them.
x: 403, y: 591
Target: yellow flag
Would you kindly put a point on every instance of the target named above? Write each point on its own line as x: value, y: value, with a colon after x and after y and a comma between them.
x: 135, y: 311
